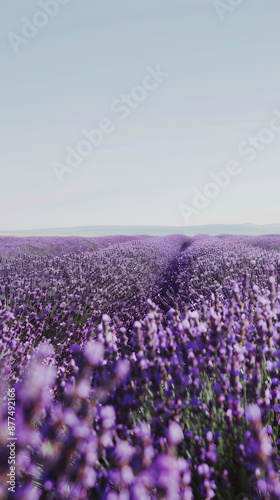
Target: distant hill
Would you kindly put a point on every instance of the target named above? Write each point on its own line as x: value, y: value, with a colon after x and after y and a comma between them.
x: 212, y: 230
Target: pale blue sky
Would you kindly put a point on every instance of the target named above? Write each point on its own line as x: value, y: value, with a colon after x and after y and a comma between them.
x: 223, y: 84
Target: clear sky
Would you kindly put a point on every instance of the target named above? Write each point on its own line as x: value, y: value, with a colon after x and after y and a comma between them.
x: 220, y: 85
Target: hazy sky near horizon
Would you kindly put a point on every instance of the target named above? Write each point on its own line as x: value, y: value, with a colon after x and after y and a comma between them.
x: 220, y: 86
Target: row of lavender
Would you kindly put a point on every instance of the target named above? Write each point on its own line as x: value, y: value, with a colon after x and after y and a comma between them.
x: 14, y: 246
x: 182, y: 404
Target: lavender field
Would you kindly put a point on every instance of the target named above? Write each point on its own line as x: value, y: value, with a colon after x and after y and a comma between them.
x: 140, y: 368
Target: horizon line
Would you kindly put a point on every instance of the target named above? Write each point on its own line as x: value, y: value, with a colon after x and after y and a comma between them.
x: 139, y: 225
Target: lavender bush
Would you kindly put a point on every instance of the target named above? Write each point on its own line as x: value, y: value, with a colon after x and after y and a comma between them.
x: 143, y: 369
